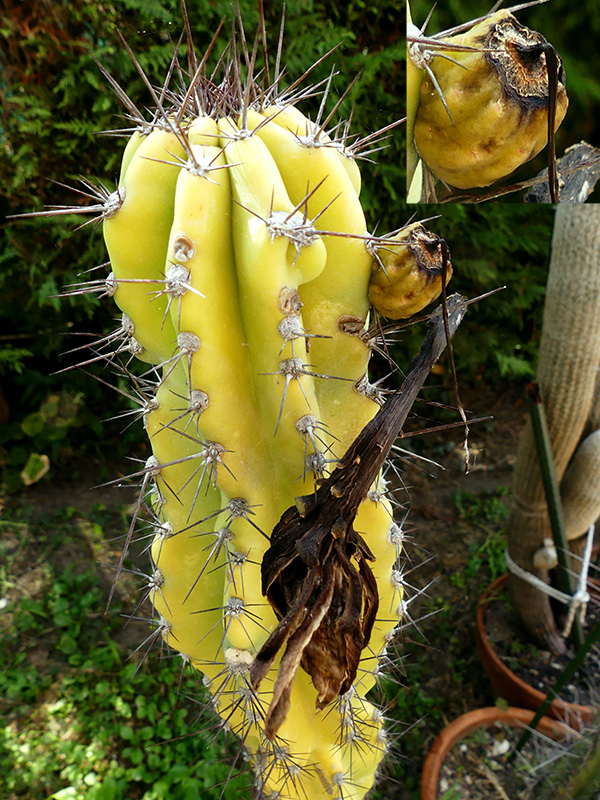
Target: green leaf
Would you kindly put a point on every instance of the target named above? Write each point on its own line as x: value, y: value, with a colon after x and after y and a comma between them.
x: 36, y: 467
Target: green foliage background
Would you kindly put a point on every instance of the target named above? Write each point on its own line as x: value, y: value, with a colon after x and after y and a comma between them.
x: 54, y: 103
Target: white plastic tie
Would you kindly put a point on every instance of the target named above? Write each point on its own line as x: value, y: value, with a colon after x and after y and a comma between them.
x: 576, y: 602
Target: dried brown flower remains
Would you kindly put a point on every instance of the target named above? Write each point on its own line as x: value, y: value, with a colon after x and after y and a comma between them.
x: 316, y: 572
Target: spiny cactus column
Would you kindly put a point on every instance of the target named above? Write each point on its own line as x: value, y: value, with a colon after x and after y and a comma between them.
x: 567, y: 371
x: 238, y: 429
x: 241, y: 264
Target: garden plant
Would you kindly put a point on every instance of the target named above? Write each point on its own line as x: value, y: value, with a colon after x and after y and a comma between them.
x: 567, y: 377
x: 243, y: 268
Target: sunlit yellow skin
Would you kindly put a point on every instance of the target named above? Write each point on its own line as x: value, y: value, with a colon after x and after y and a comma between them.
x: 361, y: 722
x: 221, y: 369
x: 492, y: 134
x: 175, y: 453
x: 265, y: 267
x: 221, y: 366
x: 203, y: 130
x: 373, y: 523
x: 198, y: 576
x: 401, y: 285
x: 341, y: 289
x: 257, y: 179
x: 317, y: 748
x: 292, y: 119
x: 137, y: 237
x: 181, y: 557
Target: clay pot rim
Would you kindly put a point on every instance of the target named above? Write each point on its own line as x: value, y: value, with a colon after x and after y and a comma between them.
x: 558, y: 707
x: 472, y: 720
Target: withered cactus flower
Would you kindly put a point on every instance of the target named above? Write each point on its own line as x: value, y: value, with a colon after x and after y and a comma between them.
x: 316, y: 573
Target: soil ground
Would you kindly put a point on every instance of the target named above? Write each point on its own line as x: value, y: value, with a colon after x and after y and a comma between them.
x: 445, y: 549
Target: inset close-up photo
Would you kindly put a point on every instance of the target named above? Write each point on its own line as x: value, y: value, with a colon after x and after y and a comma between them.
x: 501, y: 102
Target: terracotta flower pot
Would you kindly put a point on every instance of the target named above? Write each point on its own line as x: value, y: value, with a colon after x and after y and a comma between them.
x: 508, y: 685
x: 466, y: 724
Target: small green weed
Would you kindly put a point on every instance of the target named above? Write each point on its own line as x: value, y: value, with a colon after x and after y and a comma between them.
x: 489, y: 508
x: 488, y: 514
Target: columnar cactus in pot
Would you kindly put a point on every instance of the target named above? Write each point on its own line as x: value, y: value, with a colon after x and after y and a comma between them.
x: 567, y: 375
x: 241, y: 262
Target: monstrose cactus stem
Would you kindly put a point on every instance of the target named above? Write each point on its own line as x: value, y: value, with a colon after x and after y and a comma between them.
x: 241, y: 262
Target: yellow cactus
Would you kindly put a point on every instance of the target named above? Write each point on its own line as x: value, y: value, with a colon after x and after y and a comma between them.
x: 241, y: 261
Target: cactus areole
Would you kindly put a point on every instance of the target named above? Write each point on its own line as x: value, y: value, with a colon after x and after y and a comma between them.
x: 241, y: 263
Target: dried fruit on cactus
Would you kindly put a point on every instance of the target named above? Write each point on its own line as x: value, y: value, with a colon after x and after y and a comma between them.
x: 497, y: 100
x: 408, y: 272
